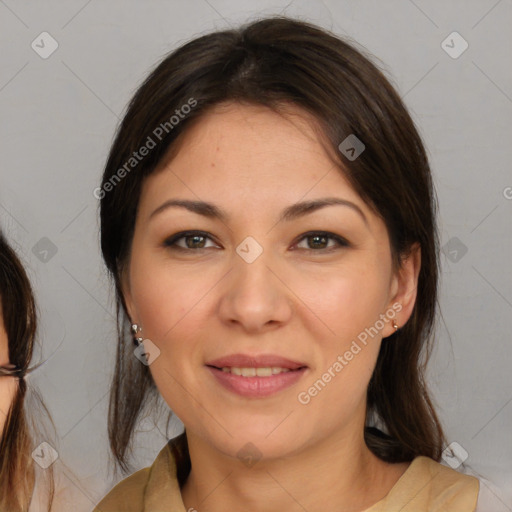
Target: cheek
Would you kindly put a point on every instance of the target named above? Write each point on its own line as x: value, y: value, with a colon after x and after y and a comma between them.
x: 163, y: 296
x: 346, y: 305
x: 171, y: 304
x: 343, y: 302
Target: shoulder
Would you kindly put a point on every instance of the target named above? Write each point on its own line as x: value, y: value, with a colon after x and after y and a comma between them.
x: 442, y: 488
x: 444, y: 476
x: 428, y: 486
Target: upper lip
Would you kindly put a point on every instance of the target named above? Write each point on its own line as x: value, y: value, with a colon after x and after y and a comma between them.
x: 261, y: 361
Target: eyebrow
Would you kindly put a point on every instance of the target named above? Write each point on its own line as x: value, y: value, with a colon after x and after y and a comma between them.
x: 290, y: 213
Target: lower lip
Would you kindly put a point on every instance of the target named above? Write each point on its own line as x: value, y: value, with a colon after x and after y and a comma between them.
x: 256, y: 387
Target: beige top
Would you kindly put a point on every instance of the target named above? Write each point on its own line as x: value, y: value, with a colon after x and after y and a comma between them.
x: 426, y: 486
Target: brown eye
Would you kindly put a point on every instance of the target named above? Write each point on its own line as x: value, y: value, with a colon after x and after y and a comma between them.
x: 319, y: 240
x: 193, y: 240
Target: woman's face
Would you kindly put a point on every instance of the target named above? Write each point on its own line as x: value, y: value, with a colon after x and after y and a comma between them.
x: 260, y: 288
x: 7, y: 384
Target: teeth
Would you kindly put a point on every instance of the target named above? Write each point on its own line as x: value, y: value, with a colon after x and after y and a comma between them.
x: 255, y: 372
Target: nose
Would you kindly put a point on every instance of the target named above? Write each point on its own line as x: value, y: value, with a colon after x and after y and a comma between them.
x: 255, y: 297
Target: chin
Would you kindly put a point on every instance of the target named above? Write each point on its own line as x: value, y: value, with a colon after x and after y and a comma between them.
x: 258, y: 442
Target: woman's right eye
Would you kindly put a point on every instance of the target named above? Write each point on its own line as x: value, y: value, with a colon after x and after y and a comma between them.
x: 193, y: 240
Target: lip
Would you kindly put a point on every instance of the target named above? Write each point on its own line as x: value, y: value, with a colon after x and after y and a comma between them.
x: 261, y: 361
x: 256, y: 387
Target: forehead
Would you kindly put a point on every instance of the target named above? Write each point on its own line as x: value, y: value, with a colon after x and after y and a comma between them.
x: 252, y: 151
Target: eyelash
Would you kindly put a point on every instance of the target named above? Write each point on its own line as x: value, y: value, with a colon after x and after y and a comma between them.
x: 170, y: 242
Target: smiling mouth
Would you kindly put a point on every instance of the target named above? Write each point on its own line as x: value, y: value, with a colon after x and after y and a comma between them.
x: 256, y: 382
x: 267, y: 371
x: 256, y: 376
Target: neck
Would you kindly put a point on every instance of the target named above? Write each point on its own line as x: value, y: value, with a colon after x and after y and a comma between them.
x: 341, y: 475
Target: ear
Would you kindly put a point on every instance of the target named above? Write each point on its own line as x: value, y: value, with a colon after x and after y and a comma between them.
x: 127, y: 296
x: 404, y: 287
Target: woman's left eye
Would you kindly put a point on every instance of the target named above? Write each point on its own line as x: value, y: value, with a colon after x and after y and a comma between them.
x: 319, y: 240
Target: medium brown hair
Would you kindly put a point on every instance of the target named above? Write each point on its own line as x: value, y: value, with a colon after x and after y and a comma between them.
x: 17, y: 472
x: 274, y: 62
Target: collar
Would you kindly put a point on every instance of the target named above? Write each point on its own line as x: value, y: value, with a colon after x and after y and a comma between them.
x: 425, y: 485
x: 168, y: 471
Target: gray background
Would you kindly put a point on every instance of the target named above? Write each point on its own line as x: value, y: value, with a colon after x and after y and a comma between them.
x: 59, y: 115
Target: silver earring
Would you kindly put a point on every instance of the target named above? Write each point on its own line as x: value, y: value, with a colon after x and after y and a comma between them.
x: 136, y: 329
x: 395, y: 325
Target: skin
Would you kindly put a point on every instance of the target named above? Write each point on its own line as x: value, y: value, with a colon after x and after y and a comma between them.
x: 7, y: 384
x: 295, y: 300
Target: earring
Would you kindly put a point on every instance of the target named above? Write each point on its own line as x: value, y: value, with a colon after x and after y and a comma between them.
x: 136, y: 329
x: 395, y: 325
